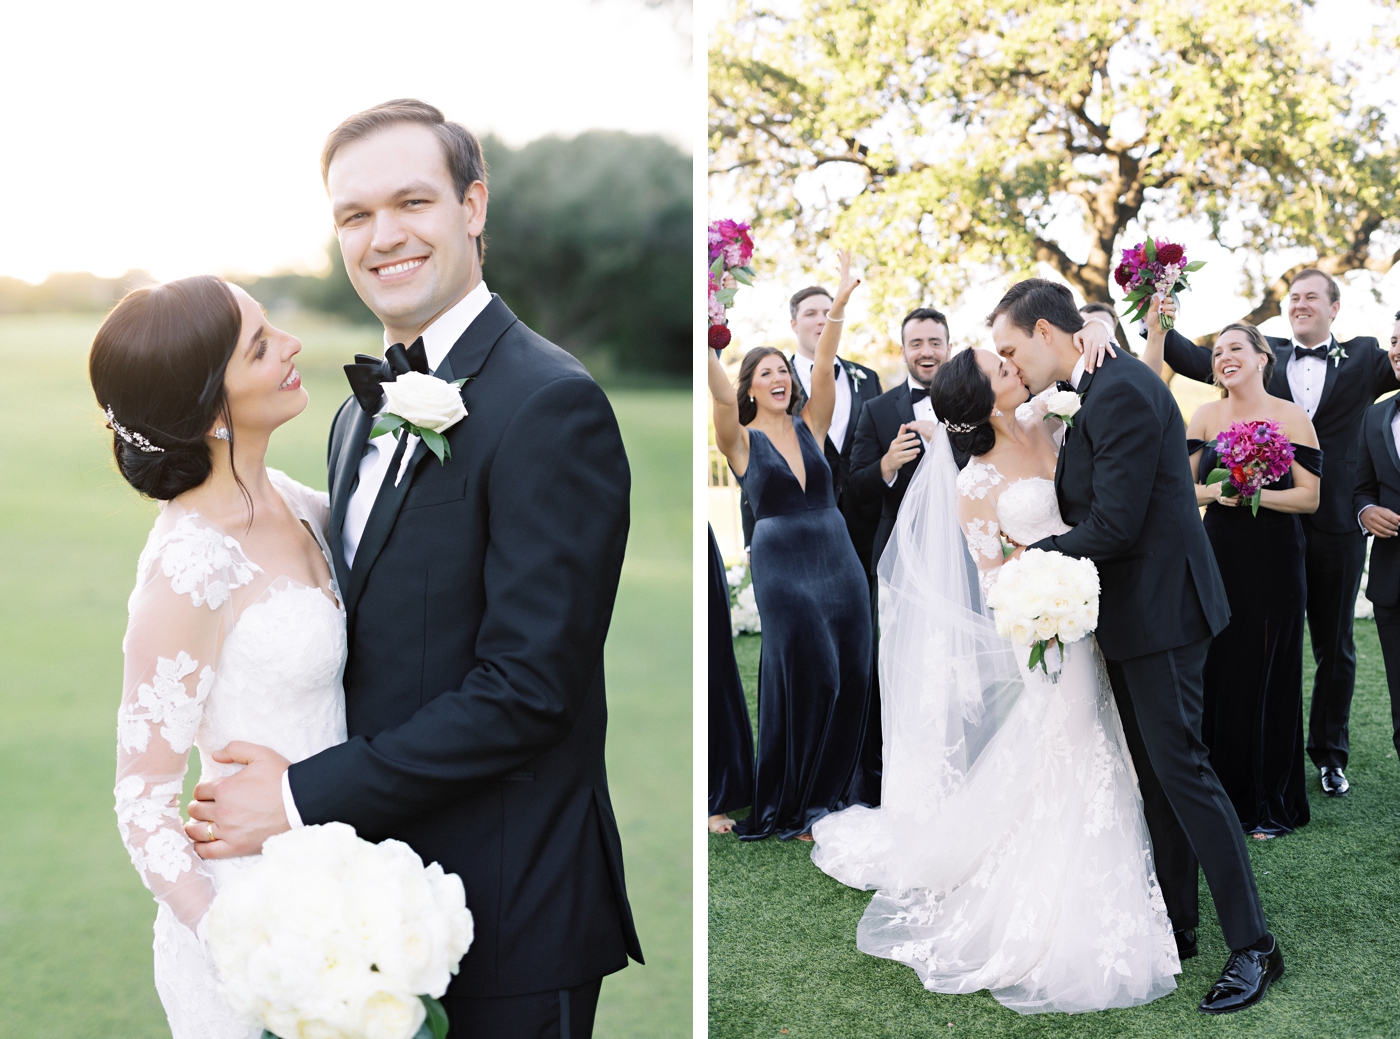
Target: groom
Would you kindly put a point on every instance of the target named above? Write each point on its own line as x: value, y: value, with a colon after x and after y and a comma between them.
x: 478, y: 594
x: 1124, y: 483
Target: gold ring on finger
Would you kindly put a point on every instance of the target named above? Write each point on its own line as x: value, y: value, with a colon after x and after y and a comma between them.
x: 210, y: 828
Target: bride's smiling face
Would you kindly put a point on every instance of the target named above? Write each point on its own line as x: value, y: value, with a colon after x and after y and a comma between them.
x: 1006, y: 381
x: 1235, y: 361
x: 261, y: 380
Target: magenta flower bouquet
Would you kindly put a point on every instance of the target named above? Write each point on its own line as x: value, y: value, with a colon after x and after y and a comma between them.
x: 1155, y: 265
x: 731, y: 250
x: 1252, y: 455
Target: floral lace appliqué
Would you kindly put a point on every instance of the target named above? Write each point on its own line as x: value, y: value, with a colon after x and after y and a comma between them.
x: 202, y: 562
x: 984, y: 538
x: 166, y: 852
x: 165, y: 700
x: 977, y: 479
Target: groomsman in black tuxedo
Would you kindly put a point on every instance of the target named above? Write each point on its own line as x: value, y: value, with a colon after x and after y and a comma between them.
x: 1335, y: 383
x: 1377, y: 504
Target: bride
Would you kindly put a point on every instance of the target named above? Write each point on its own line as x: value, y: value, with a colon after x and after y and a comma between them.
x: 236, y: 631
x: 1010, y: 852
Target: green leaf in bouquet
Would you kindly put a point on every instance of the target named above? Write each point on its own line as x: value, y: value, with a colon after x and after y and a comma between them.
x: 1216, y: 475
x: 1149, y: 249
x: 387, y: 424
x: 726, y: 296
x: 716, y: 268
x: 1137, y: 293
x: 268, y: 1035
x: 435, y: 1026
x: 1037, y: 657
x: 1194, y: 265
x: 743, y: 275
x: 437, y: 444
x: 1254, y: 501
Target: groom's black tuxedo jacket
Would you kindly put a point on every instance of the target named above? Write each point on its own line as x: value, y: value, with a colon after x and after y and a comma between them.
x: 1348, y: 389
x: 1378, y: 483
x: 879, y: 424
x: 1124, y: 481
x: 477, y: 609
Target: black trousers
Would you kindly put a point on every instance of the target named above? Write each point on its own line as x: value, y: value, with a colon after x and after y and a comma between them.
x: 1388, y: 628
x: 1189, y: 817
x: 554, y: 1014
x: 1334, y: 565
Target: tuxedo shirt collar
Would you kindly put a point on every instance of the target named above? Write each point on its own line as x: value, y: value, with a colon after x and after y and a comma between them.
x: 807, y: 364
x: 1077, y: 376
x: 441, y: 336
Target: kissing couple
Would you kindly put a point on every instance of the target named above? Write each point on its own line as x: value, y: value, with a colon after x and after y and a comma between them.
x: 418, y: 654
x: 1040, y: 834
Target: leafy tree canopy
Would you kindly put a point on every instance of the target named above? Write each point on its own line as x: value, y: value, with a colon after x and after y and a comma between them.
x: 1002, y: 133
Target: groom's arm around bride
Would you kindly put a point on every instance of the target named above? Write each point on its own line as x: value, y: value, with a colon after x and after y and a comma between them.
x: 478, y: 595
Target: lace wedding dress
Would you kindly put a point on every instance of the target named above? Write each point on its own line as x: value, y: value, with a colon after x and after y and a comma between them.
x: 1010, y: 852
x: 217, y: 649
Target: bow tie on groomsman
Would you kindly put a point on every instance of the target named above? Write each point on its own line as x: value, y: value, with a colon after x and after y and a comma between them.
x: 1320, y: 352
x: 368, y: 372
x: 917, y: 394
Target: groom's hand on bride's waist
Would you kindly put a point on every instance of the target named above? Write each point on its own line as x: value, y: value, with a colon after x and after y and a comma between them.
x: 232, y: 816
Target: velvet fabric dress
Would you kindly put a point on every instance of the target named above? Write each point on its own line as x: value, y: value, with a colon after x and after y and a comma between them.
x: 731, y: 737
x: 1253, y: 710
x: 814, y: 670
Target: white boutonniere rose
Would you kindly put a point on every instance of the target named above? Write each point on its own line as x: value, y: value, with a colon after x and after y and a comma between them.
x: 1336, y: 355
x: 855, y: 373
x: 425, y: 406
x: 1064, y: 405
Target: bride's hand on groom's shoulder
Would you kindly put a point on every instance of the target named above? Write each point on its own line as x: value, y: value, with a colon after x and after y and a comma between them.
x: 1094, y: 340
x: 233, y: 816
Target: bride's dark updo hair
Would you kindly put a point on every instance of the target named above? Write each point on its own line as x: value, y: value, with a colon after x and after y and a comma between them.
x: 158, y: 364
x: 962, y: 396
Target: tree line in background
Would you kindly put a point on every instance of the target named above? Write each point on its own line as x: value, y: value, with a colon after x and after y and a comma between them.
x: 1001, y: 134
x: 588, y: 241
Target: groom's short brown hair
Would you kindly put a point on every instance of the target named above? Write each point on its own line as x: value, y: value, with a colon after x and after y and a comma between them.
x: 1028, y: 301
x: 459, y: 145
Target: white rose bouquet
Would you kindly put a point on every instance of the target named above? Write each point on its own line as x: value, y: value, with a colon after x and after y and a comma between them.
x: 334, y: 937
x: 424, y: 405
x: 1045, y: 597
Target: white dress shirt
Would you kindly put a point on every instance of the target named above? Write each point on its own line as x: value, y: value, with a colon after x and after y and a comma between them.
x: 1306, y: 377
x: 438, y: 340
x: 841, y: 416
x: 1394, y: 435
x: 1078, y: 372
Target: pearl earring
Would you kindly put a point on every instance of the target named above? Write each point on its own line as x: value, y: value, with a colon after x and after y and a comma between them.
x: 222, y: 433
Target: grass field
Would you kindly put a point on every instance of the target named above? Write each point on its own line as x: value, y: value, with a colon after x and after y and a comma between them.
x: 75, y: 922
x: 783, y: 961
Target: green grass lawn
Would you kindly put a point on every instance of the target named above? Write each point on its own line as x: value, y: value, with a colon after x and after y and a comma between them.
x: 75, y: 921
x: 783, y: 960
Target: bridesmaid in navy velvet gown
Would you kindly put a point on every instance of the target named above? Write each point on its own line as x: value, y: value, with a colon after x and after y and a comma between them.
x: 1252, y: 718
x: 731, y: 733
x: 812, y: 594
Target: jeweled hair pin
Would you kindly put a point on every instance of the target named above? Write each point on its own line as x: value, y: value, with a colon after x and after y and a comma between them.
x: 136, y: 440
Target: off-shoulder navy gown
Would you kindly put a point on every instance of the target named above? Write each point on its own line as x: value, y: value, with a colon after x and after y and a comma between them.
x: 814, y: 670
x: 1253, y: 711
x: 731, y: 733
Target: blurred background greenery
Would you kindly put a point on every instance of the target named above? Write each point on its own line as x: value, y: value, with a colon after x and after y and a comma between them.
x: 588, y: 241
x: 75, y: 921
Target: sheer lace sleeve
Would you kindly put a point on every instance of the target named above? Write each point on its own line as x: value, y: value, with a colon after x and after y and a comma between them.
x: 1036, y: 413
x: 309, y: 504
x: 178, y: 614
x: 978, y: 486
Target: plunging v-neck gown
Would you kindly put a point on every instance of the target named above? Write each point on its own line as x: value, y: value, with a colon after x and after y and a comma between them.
x: 814, y: 671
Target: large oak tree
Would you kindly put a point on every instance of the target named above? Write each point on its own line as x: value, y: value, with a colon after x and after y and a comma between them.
x: 1000, y: 133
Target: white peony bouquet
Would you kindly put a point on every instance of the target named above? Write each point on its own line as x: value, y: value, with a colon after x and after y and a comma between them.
x: 332, y: 937
x: 1042, y: 598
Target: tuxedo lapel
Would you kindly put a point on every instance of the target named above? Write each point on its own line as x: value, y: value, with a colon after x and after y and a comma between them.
x: 343, y: 479
x: 1387, y: 417
x: 1280, y: 387
x: 1328, y: 381
x: 1085, y: 381
x: 902, y: 403
x: 464, y: 361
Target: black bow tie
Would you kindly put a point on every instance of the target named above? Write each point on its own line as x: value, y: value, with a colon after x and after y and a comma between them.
x: 1063, y: 385
x: 1320, y: 352
x: 917, y: 394
x: 368, y: 372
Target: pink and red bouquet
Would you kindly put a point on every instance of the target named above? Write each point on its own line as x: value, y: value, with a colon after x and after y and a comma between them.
x: 731, y: 250
x: 1251, y: 456
x: 1150, y: 267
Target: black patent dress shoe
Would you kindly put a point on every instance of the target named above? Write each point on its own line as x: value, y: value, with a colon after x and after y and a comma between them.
x: 1334, y: 781
x: 1185, y: 943
x: 1243, y: 982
